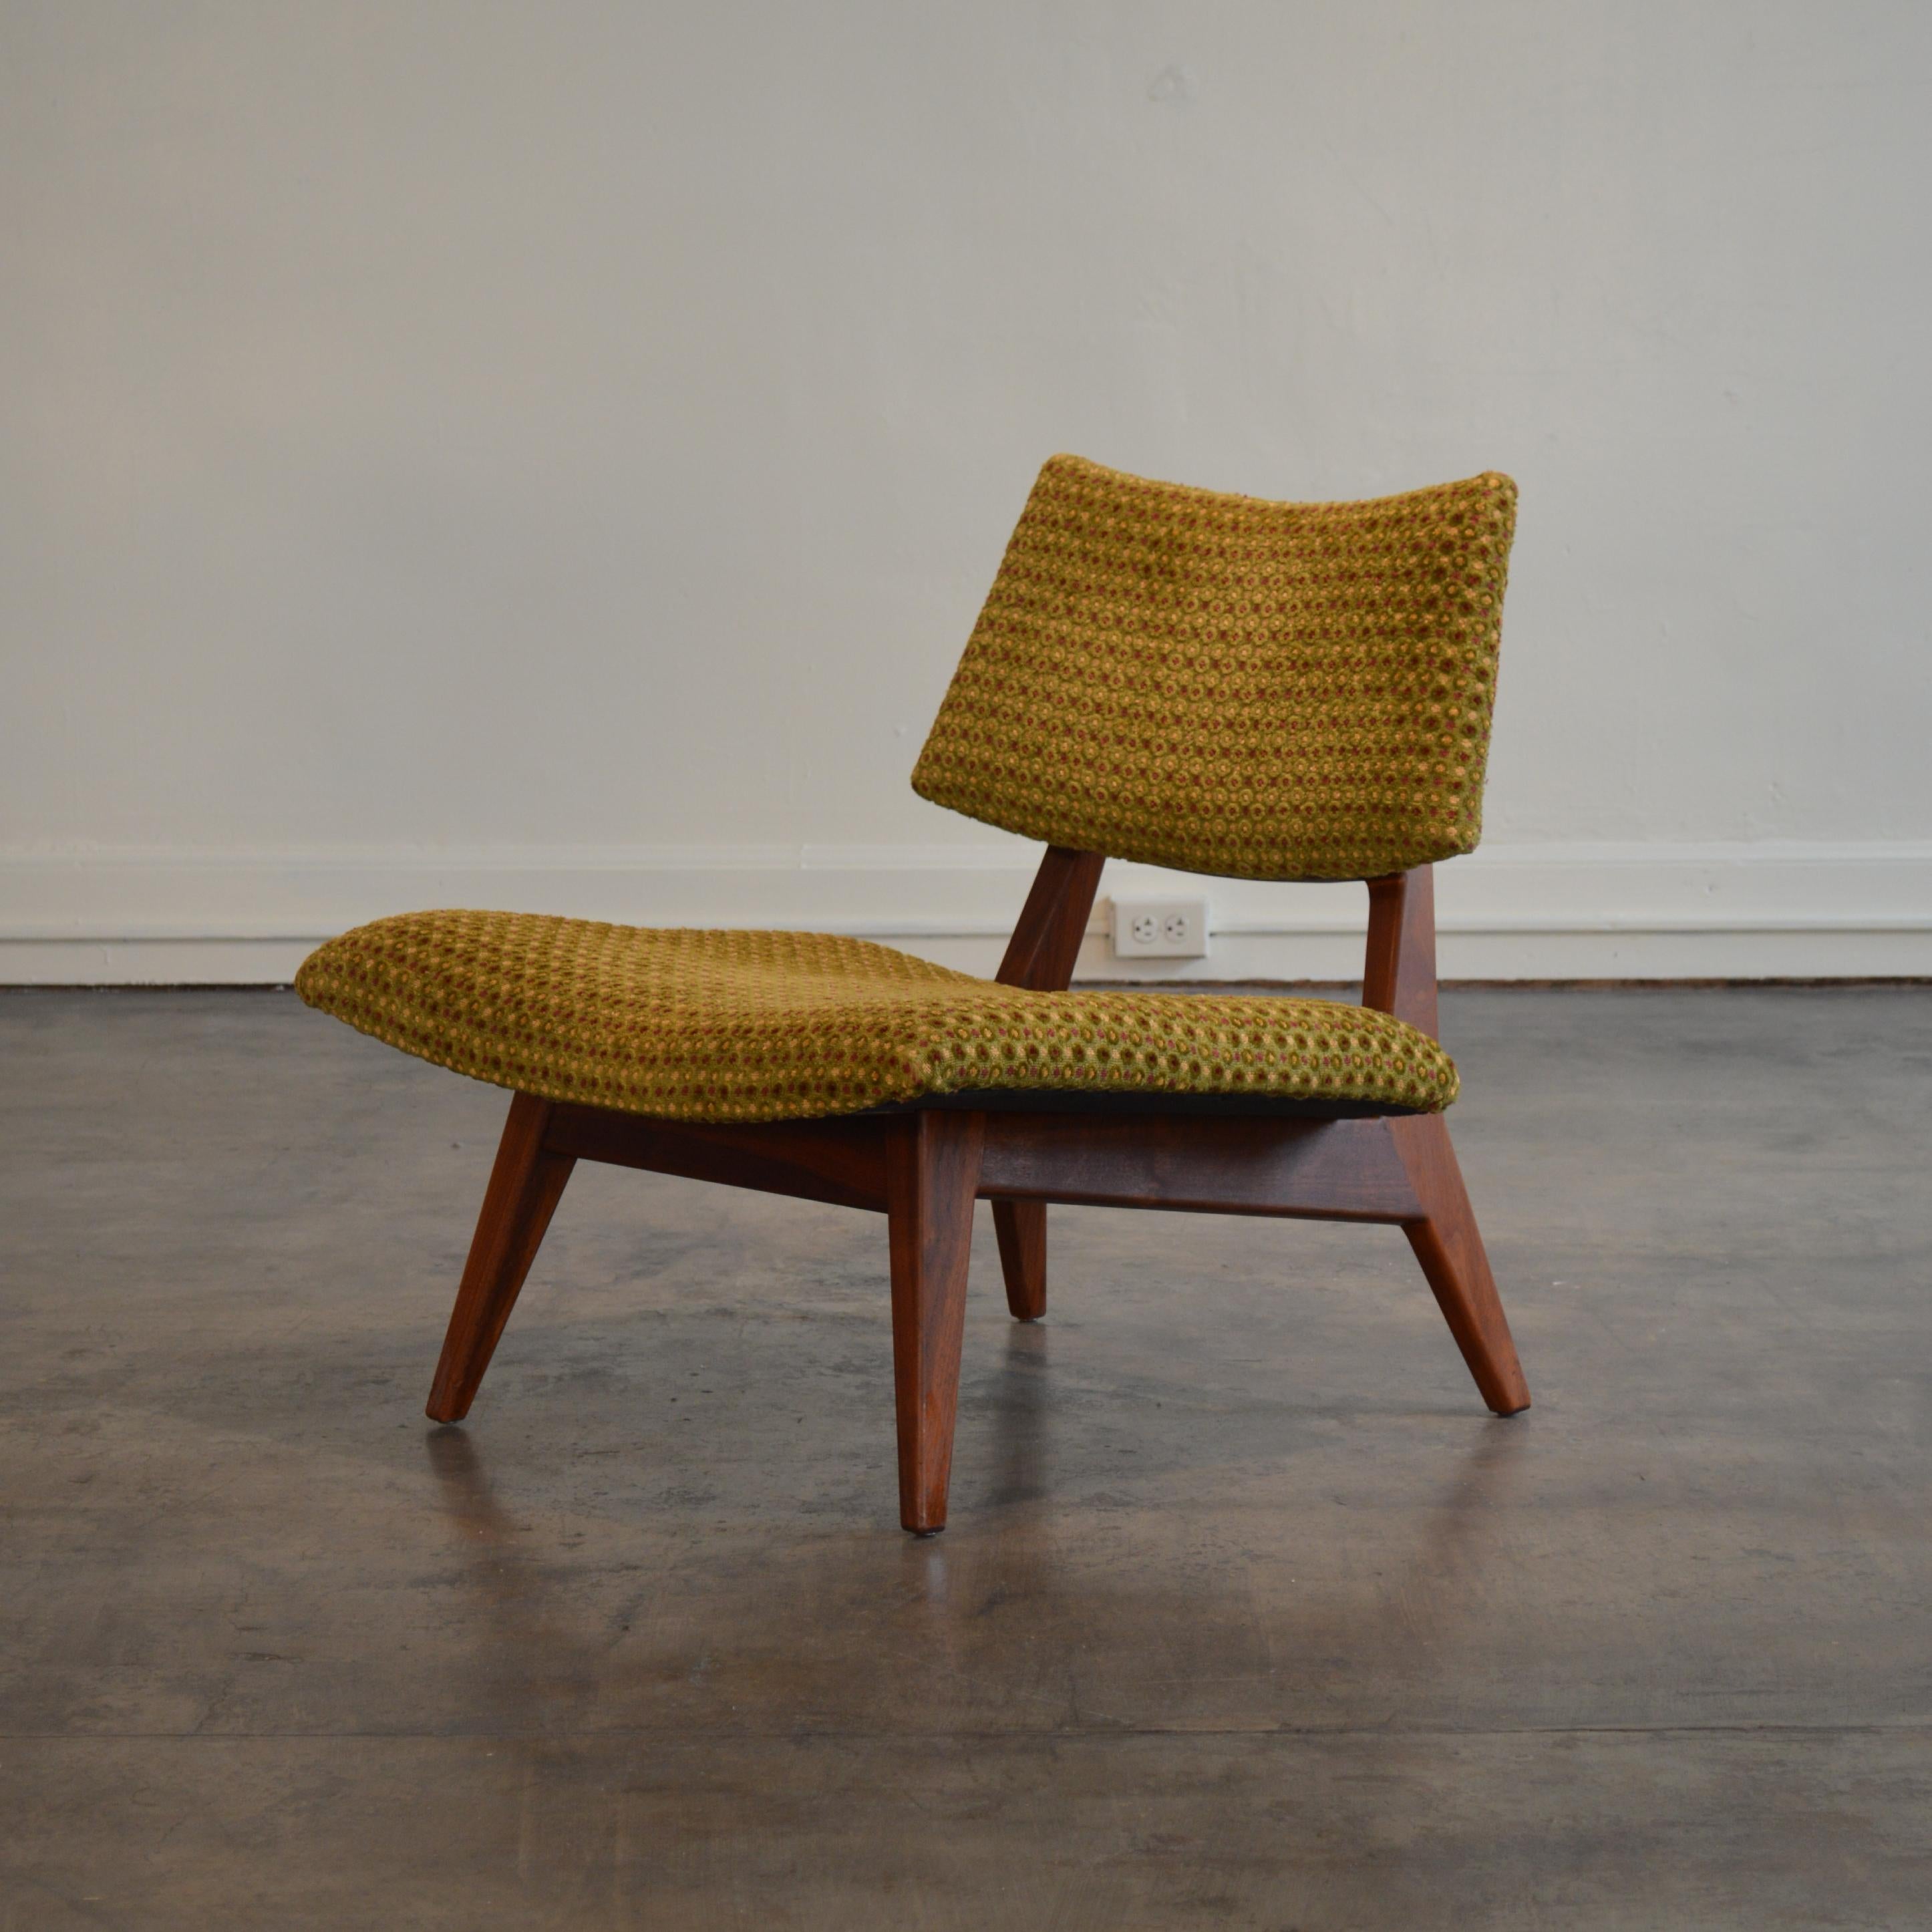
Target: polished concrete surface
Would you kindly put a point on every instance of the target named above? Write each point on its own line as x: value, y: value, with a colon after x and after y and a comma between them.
x: 1250, y: 1616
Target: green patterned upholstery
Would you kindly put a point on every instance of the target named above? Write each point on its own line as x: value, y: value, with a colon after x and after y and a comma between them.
x: 766, y: 1026
x: 1255, y: 690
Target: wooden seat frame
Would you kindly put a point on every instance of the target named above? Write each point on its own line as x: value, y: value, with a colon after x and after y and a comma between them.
x: 924, y: 1165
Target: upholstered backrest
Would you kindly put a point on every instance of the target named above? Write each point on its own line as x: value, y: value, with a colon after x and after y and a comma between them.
x: 1225, y: 685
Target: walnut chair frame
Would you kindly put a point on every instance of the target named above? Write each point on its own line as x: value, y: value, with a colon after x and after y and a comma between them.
x: 924, y: 1163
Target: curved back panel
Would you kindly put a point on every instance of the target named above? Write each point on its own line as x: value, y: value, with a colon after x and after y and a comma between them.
x: 1225, y: 685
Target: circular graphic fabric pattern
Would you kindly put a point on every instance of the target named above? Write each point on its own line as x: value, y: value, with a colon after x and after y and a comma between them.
x: 735, y: 1026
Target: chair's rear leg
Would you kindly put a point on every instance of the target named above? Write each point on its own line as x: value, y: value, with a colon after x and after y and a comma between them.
x: 1021, y: 1228
x: 1450, y: 1248
x: 525, y: 1186
x: 932, y: 1171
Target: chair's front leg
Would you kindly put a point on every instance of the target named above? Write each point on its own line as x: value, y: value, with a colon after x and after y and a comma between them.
x: 932, y: 1172
x: 525, y: 1186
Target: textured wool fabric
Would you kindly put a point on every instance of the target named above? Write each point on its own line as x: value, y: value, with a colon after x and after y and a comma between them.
x: 766, y: 1026
x: 1224, y: 684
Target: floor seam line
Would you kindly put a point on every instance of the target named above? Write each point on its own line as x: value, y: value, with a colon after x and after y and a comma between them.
x: 813, y: 1735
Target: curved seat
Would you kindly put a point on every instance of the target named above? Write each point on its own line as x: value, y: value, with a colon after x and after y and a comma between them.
x: 724, y: 1027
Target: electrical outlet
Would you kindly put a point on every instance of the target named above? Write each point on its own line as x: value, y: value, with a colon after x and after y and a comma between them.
x: 1160, y: 928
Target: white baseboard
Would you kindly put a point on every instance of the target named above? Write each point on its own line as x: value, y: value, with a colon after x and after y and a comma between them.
x: 1744, y: 910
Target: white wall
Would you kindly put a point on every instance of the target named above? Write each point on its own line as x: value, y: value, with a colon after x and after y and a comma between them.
x: 552, y: 453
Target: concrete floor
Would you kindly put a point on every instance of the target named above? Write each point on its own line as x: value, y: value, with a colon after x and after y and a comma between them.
x: 1249, y: 1616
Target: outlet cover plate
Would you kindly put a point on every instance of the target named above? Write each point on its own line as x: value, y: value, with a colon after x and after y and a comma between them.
x: 1160, y: 928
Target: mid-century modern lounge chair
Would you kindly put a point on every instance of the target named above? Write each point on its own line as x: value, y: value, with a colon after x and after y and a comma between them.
x: 1249, y: 689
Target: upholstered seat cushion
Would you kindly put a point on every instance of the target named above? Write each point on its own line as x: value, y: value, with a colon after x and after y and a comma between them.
x: 765, y: 1026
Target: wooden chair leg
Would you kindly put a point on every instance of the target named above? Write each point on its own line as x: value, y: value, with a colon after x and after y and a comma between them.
x: 525, y: 1186
x: 1021, y: 1228
x: 932, y: 1170
x: 1450, y: 1248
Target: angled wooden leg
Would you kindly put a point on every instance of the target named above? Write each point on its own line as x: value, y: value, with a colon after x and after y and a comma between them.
x: 525, y: 1186
x: 1021, y: 1228
x: 932, y: 1170
x: 1450, y: 1250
